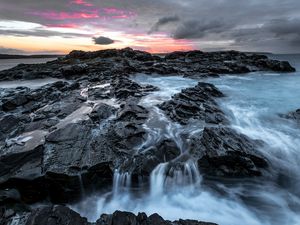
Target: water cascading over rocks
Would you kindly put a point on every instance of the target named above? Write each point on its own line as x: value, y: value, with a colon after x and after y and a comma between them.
x: 117, y: 139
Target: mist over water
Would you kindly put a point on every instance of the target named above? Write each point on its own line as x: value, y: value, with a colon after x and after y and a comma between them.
x: 253, y: 104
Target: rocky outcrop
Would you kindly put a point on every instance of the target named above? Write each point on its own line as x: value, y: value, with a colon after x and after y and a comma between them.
x: 142, y: 164
x: 79, y: 151
x: 123, y: 88
x: 60, y: 215
x: 126, y: 218
x: 111, y: 63
x: 196, y: 103
x: 222, y: 152
x: 229, y: 62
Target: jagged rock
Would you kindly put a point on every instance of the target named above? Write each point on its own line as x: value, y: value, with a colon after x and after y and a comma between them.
x: 77, y: 69
x: 11, y: 100
x: 61, y: 215
x: 99, y: 93
x: 30, y: 100
x: 128, y: 61
x: 222, y: 151
x: 73, y: 154
x: 274, y: 65
x: 102, y: 111
x: 144, y: 162
x: 8, y: 123
x: 127, y: 218
x: 123, y: 88
x: 195, y: 103
x: 55, y: 215
x: 293, y: 116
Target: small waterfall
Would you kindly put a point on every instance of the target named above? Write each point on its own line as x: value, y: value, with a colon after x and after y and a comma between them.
x: 157, y: 179
x: 121, y: 182
x: 82, y: 191
x: 186, y: 176
x: 168, y: 177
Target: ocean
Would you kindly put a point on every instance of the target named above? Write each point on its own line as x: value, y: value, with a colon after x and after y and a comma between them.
x: 10, y: 63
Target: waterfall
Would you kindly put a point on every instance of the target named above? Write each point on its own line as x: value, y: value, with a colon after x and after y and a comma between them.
x: 82, y: 191
x: 166, y: 177
x: 157, y: 179
x: 121, y: 182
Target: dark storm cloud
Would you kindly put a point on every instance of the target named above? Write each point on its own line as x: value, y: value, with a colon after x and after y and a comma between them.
x: 103, y: 40
x: 285, y: 29
x: 163, y: 21
x: 198, y: 29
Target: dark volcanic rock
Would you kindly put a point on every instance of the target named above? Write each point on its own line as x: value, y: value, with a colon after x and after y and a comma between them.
x: 144, y: 162
x: 112, y: 63
x: 123, y: 88
x: 224, y: 152
x: 72, y: 70
x: 8, y: 123
x: 28, y: 100
x: 195, y: 103
x: 61, y: 215
x: 55, y: 215
x: 127, y: 218
x: 101, y: 112
x: 76, y: 153
x: 274, y: 65
x: 293, y: 116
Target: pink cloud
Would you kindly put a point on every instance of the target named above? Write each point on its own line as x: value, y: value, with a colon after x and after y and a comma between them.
x: 85, y: 11
x: 81, y: 2
x: 68, y: 25
x: 53, y: 15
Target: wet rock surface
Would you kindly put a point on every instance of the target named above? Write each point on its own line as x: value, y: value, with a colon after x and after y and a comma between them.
x: 196, y: 103
x: 222, y: 152
x: 60, y: 215
x: 295, y: 116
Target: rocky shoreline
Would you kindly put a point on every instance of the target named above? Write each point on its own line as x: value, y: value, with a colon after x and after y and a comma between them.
x: 71, y: 135
x: 64, y: 216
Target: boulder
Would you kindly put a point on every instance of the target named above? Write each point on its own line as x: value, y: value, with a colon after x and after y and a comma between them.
x: 55, y: 215
x: 123, y: 88
x: 74, y: 70
x: 223, y: 152
x: 295, y: 116
x: 102, y: 111
x: 8, y: 123
x: 195, y: 103
x: 146, y: 160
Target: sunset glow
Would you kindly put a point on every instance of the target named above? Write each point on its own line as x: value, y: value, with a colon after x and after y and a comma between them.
x: 161, y: 26
x: 73, y: 29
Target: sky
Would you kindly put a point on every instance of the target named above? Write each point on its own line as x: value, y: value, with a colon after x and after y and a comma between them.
x: 59, y: 26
